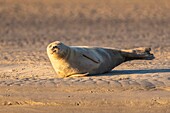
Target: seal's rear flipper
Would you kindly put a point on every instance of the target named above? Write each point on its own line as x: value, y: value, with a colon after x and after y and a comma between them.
x: 78, y: 75
x: 137, y: 53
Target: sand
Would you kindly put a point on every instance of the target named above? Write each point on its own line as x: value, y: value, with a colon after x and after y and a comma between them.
x: 28, y: 83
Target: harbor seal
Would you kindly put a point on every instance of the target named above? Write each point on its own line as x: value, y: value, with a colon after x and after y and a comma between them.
x: 71, y: 61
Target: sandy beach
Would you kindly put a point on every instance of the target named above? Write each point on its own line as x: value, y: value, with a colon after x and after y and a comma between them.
x: 28, y: 83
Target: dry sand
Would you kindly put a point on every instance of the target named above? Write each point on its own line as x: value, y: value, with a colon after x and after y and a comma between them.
x: 28, y: 84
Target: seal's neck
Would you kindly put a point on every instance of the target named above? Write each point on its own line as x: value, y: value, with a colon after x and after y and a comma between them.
x: 67, y: 53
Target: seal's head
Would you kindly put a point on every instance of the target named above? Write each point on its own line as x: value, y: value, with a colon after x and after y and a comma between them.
x: 57, y: 49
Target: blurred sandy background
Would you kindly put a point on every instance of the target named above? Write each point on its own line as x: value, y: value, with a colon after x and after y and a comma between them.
x: 28, y: 26
x: 116, y: 23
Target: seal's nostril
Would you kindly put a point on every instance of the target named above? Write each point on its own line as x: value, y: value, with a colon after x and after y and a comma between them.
x: 54, y: 47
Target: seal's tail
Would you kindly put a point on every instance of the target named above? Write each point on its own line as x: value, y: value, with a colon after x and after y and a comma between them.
x: 137, y: 53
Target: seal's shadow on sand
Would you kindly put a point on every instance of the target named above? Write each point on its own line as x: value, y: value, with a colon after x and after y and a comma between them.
x: 126, y: 72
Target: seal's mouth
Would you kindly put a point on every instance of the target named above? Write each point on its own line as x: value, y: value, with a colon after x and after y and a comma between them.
x: 54, y: 49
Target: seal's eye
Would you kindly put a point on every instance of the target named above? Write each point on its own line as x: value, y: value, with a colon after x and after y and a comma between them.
x: 50, y: 46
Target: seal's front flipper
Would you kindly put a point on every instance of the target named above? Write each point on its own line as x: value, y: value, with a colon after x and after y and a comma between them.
x: 91, y: 57
x: 78, y: 75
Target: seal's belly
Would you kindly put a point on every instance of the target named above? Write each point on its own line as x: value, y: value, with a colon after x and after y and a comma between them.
x: 94, y: 60
x: 84, y: 61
